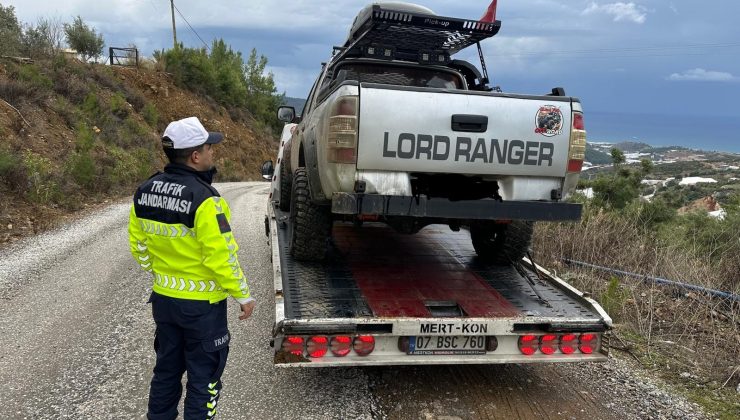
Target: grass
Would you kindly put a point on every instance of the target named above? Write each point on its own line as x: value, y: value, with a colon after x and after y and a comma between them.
x: 671, y: 331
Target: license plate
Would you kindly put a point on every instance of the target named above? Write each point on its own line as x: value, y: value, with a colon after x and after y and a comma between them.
x: 440, y: 345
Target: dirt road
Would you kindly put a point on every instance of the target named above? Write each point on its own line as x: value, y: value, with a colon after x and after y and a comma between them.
x: 76, y: 338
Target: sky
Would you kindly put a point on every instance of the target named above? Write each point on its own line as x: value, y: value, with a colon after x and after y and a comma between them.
x: 661, y: 60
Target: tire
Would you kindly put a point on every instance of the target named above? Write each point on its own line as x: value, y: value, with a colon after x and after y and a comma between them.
x: 285, y: 187
x: 501, y: 244
x: 309, y: 238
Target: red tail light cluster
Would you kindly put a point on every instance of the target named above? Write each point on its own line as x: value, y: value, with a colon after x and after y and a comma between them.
x: 550, y: 343
x: 319, y: 345
x: 587, y: 343
x: 293, y: 345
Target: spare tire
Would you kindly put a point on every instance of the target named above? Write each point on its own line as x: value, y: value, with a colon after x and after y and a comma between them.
x: 500, y: 243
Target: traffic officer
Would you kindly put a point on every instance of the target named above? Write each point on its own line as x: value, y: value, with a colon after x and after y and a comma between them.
x: 179, y: 231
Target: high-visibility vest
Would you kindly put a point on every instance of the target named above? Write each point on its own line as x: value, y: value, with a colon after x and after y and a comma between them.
x: 179, y: 231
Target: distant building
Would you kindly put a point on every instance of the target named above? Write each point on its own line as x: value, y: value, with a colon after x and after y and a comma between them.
x: 692, y: 180
x: 69, y: 53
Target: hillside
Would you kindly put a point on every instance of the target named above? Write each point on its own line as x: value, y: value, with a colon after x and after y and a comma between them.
x: 84, y: 134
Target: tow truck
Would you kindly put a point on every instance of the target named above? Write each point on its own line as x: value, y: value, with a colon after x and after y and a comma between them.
x: 387, y: 273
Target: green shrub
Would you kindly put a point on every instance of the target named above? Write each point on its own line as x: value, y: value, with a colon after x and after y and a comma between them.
x: 124, y: 166
x: 69, y: 114
x: 82, y: 169
x: 150, y: 115
x: 8, y: 162
x: 133, y: 97
x: 119, y: 106
x: 42, y: 188
x: 26, y: 84
x: 91, y: 106
x: 32, y: 75
x: 12, y: 171
x: 613, y: 298
x: 137, y: 130
x: 70, y: 86
x: 85, y: 138
x: 649, y: 214
x: 146, y: 163
x: 13, y: 91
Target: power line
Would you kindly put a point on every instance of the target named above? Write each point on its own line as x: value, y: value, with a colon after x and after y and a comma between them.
x: 191, y: 28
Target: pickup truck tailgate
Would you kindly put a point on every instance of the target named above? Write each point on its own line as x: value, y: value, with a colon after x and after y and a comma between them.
x: 443, y: 131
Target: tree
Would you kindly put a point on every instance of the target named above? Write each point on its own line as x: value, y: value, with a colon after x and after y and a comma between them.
x: 621, y: 188
x: 44, y: 39
x: 88, y: 43
x: 10, y: 32
x: 617, y: 157
x: 52, y: 29
x: 262, y: 99
x: 225, y: 77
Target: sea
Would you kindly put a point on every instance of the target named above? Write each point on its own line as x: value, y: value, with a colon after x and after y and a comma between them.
x: 709, y: 133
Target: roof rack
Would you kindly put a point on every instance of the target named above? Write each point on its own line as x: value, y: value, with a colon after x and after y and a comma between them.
x: 411, y: 34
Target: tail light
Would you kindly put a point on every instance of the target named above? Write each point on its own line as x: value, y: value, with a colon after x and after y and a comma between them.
x: 568, y: 343
x: 587, y: 343
x: 577, y: 149
x: 293, y: 345
x: 341, y: 345
x: 548, y: 343
x: 364, y: 345
x: 342, y: 130
x: 317, y: 346
x: 528, y: 344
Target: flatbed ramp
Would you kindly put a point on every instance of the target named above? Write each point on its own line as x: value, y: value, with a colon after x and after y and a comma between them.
x: 373, y: 271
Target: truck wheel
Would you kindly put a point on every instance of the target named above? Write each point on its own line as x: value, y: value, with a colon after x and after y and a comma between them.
x: 285, y: 187
x: 311, y: 223
x: 501, y: 244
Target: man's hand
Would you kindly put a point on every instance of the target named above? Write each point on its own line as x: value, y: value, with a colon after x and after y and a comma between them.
x: 247, y: 309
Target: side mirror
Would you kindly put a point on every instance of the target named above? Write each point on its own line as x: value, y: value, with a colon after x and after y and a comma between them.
x: 286, y: 114
x: 268, y: 170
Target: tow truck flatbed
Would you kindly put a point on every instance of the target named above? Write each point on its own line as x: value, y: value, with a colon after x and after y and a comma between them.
x: 399, y: 289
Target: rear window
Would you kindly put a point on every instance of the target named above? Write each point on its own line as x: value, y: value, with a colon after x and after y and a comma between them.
x: 401, y: 76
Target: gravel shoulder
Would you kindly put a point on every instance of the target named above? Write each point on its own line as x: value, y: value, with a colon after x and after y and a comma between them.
x: 76, y: 338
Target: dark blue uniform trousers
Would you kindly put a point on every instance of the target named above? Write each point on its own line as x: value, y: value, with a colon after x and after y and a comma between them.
x: 191, y: 336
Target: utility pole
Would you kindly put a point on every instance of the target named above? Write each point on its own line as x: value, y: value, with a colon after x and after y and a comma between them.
x: 174, y: 32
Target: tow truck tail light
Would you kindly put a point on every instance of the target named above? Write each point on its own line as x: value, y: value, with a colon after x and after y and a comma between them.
x: 364, y: 345
x: 317, y: 346
x: 528, y: 344
x: 548, y: 343
x: 577, y: 148
x: 587, y: 343
x: 341, y: 345
x: 293, y: 345
x: 342, y: 130
x: 568, y: 343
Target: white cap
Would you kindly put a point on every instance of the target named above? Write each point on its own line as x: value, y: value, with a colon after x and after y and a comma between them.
x: 188, y: 132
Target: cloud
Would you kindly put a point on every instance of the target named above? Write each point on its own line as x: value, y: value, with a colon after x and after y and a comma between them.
x: 620, y: 11
x: 701, y: 75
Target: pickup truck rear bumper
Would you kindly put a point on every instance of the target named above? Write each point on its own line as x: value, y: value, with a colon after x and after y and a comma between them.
x: 488, y: 209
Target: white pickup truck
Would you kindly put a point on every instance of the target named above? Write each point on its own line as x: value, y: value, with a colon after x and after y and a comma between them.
x: 396, y: 131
